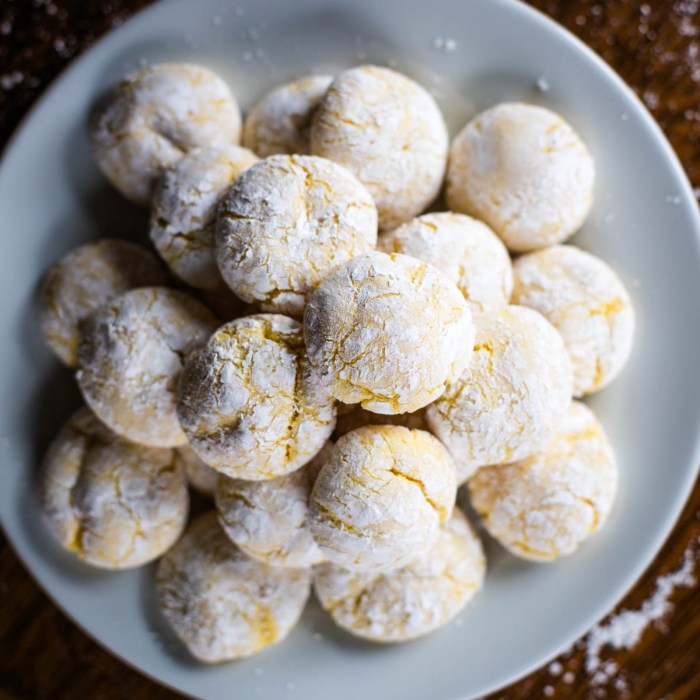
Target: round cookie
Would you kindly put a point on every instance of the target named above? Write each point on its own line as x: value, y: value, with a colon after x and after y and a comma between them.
x: 381, y: 497
x: 113, y: 503
x: 410, y: 602
x: 130, y: 355
x: 222, y: 604
x: 546, y: 505
x: 249, y: 402
x: 358, y: 417
x: 587, y: 303
x: 153, y: 117
x: 200, y: 476
x: 506, y: 406
x: 388, y: 131
x: 268, y: 519
x: 183, y: 214
x: 388, y: 332
x: 85, y: 279
x: 286, y: 223
x: 525, y: 172
x: 465, y: 250
x: 280, y: 121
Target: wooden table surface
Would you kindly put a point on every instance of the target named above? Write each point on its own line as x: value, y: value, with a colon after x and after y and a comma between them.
x: 656, y: 48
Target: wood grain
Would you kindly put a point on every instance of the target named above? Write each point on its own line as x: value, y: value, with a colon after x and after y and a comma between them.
x: 655, y: 47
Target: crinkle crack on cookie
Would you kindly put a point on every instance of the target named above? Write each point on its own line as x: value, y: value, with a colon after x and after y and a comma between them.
x: 281, y: 121
x: 155, y: 116
x: 130, y: 356
x: 388, y: 332
x: 185, y: 204
x: 410, y: 602
x: 222, y: 604
x: 286, y: 223
x: 114, y: 504
x: 381, y: 497
x: 506, y: 405
x: 269, y: 520
x: 250, y: 403
x: 545, y: 506
x: 388, y: 131
x: 85, y: 279
x: 524, y: 171
x: 586, y: 301
x: 465, y: 250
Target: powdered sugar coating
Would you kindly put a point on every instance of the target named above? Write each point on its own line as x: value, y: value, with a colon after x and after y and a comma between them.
x: 524, y: 171
x: 130, y: 356
x: 286, y: 223
x: 358, y: 417
x: 113, y: 503
x: 183, y: 214
x: 280, y: 121
x: 249, y: 402
x: 465, y: 250
x: 544, y: 506
x: 222, y: 604
x: 388, y: 332
x: 587, y: 303
x: 380, y: 498
x: 268, y: 519
x: 85, y: 279
x: 506, y: 405
x: 413, y: 601
x: 388, y: 131
x: 200, y: 476
x: 153, y: 117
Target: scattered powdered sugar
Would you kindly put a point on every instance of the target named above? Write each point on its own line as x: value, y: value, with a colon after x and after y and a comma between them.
x: 543, y: 84
x: 446, y: 45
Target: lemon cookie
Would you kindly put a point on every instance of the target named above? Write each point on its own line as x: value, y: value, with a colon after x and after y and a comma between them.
x: 381, y: 497
x: 281, y: 121
x: 200, y: 476
x: 130, y: 355
x: 268, y: 519
x: 388, y: 131
x: 505, y: 407
x: 250, y: 403
x: 183, y: 214
x: 153, y: 117
x: 544, y: 506
x: 111, y: 502
x: 525, y: 172
x: 465, y: 250
x: 222, y: 604
x: 587, y: 303
x: 85, y: 279
x: 286, y: 223
x: 388, y: 331
x: 358, y: 417
x: 413, y: 601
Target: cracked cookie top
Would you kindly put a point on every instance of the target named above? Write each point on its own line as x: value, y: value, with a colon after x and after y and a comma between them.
x: 388, y: 131
x: 280, y: 121
x: 129, y: 359
x: 544, y: 506
x: 183, y: 214
x: 415, y: 600
x: 222, y: 604
x: 285, y: 224
x: 380, y: 498
x: 585, y: 300
x: 113, y: 503
x: 506, y: 406
x: 153, y: 117
x: 388, y: 332
x: 250, y: 403
x: 85, y: 279
x: 524, y: 171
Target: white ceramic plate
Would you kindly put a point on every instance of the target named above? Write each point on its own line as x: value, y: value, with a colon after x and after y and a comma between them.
x: 644, y: 222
